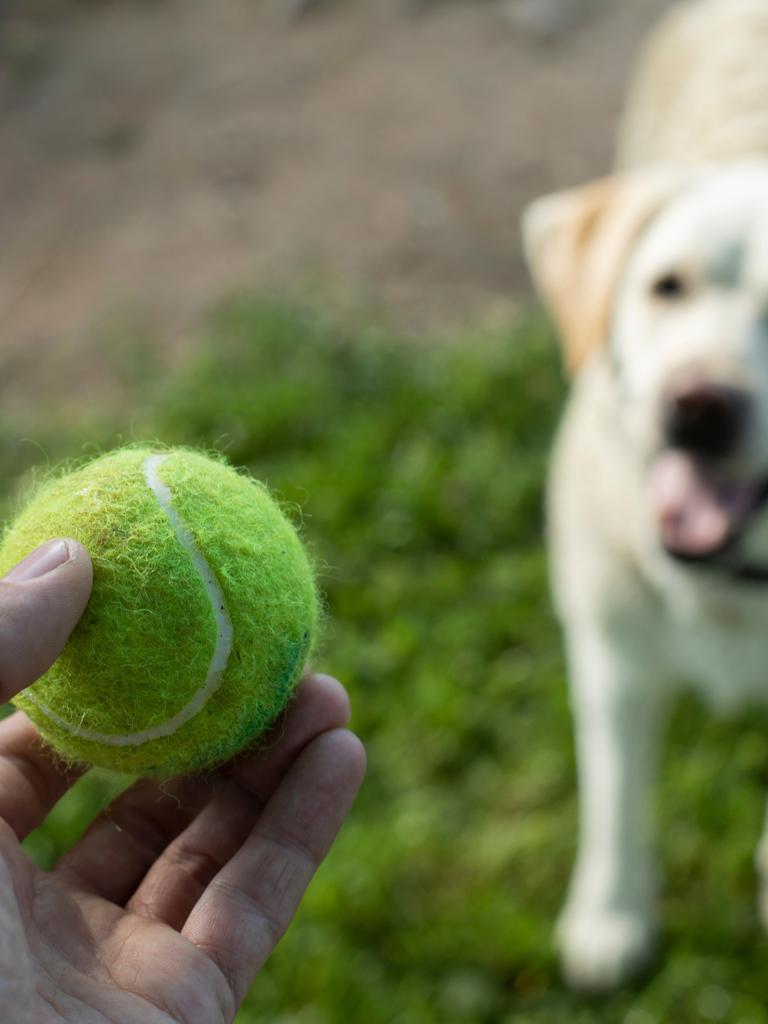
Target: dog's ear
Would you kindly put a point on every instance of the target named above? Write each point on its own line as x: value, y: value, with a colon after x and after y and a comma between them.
x: 576, y: 245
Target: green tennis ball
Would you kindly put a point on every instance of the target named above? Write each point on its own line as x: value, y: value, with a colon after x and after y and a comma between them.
x: 203, y: 612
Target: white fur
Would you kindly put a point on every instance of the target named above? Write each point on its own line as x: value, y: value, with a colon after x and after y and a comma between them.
x: 636, y: 621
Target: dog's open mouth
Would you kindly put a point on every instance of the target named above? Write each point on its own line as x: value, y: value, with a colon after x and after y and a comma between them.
x: 700, y: 510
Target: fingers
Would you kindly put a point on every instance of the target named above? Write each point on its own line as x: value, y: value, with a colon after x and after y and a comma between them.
x: 176, y: 881
x: 130, y: 834
x: 245, y: 910
x: 41, y: 600
x: 31, y: 780
x: 124, y: 843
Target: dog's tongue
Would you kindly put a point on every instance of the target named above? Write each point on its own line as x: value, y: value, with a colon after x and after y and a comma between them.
x: 697, y: 513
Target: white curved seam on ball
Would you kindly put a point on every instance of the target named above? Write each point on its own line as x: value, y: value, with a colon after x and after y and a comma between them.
x: 224, y: 632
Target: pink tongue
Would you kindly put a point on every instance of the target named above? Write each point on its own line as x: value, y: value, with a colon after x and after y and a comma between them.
x: 696, y: 513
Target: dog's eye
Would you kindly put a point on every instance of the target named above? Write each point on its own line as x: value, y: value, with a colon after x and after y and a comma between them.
x: 669, y: 287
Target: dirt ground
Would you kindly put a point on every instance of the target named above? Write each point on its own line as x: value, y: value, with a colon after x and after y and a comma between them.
x: 159, y: 155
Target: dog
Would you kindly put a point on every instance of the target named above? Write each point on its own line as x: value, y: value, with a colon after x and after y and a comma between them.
x: 657, y: 280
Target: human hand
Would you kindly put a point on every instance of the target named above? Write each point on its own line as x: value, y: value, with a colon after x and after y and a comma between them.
x: 168, y: 906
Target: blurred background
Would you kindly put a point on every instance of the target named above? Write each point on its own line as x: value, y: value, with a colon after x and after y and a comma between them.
x: 288, y: 230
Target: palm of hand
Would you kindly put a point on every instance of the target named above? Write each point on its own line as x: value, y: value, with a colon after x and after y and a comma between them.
x: 171, y: 902
x: 73, y: 956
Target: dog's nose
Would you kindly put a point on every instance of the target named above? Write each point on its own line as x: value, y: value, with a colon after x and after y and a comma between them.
x: 705, y: 418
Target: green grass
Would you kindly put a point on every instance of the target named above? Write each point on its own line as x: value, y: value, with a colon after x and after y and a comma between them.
x: 417, y: 471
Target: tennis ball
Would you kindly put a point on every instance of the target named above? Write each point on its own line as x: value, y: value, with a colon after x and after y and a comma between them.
x: 203, y: 612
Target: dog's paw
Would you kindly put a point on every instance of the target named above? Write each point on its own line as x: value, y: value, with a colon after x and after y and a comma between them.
x: 603, y: 949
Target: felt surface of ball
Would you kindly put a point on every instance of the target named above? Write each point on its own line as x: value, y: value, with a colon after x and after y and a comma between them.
x: 203, y: 613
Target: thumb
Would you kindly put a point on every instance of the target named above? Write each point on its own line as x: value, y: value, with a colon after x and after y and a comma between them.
x: 41, y: 600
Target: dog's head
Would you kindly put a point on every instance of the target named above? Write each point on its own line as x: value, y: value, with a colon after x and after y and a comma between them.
x: 665, y: 276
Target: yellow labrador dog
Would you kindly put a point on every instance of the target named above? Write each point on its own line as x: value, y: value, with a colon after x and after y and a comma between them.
x: 658, y: 281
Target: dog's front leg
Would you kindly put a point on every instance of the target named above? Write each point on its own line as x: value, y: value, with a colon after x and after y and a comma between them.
x: 761, y: 863
x: 607, y: 930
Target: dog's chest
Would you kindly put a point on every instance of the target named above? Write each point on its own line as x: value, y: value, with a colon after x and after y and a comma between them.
x: 723, y: 651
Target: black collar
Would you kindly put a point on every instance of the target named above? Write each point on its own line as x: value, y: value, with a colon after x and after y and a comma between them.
x: 748, y: 572
x: 726, y: 563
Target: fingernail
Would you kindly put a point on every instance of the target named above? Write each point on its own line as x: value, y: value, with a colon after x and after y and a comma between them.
x: 40, y: 561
